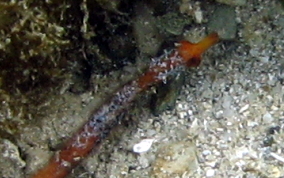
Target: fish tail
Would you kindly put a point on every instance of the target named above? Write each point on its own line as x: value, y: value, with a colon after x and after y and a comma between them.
x: 191, y: 52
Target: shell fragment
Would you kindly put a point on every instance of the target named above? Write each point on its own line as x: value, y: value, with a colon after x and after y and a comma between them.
x: 143, y: 146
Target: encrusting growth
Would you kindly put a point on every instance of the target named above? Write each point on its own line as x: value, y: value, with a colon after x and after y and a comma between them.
x: 105, y: 118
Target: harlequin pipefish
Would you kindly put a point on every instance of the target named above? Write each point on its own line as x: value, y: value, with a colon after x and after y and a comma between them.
x: 105, y: 118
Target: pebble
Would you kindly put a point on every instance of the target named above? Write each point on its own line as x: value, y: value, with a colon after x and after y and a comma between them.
x: 174, y: 159
x: 210, y: 173
x: 244, y: 108
x: 143, y: 146
x: 267, y: 118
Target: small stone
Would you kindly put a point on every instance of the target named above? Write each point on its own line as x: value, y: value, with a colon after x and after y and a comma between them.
x: 219, y: 114
x: 233, y: 2
x: 264, y: 59
x: 275, y: 172
x: 143, y: 146
x: 251, y: 123
x: 210, y: 173
x: 143, y: 161
x: 244, y: 108
x: 278, y: 157
x: 198, y: 16
x: 206, y: 152
x: 267, y: 118
x: 182, y: 115
x: 227, y: 101
x: 174, y: 159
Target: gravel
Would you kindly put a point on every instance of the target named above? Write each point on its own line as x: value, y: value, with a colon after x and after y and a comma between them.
x: 227, y: 121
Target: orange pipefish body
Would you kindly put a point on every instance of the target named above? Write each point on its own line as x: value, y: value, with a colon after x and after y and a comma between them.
x: 105, y: 118
x: 187, y: 54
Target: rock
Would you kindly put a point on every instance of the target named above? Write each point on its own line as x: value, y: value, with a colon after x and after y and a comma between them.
x: 36, y: 157
x: 10, y: 161
x: 167, y: 93
x: 233, y: 2
x: 223, y: 21
x: 145, y: 31
x: 267, y: 118
x: 175, y: 159
x: 172, y: 23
